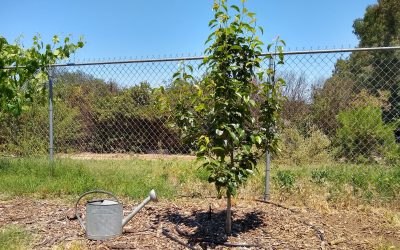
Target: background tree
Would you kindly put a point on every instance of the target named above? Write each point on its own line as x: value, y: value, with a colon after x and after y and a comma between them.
x: 296, y: 108
x: 235, y: 108
x: 380, y: 25
x: 372, y: 71
x: 331, y: 97
x: 379, y: 71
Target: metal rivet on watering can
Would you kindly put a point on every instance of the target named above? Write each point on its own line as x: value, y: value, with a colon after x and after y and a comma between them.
x: 104, y: 218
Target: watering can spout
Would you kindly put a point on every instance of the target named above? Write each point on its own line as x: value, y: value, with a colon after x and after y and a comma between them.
x: 152, y: 197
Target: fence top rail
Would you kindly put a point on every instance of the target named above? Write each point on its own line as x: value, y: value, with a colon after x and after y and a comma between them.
x: 175, y: 59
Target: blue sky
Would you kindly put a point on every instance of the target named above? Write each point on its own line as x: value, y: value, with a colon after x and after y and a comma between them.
x: 137, y: 28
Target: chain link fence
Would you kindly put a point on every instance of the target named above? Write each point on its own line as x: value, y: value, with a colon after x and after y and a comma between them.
x: 342, y: 106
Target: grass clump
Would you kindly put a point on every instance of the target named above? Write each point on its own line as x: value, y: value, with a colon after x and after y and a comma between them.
x: 14, y: 237
x: 34, y: 176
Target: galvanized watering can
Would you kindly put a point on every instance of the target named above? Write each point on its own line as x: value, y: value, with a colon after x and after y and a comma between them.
x: 104, y: 218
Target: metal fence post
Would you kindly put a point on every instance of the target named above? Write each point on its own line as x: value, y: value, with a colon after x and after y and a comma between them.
x: 267, y: 153
x: 267, y: 175
x: 51, y: 142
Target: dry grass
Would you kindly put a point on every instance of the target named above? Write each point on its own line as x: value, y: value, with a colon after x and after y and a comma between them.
x: 121, y: 156
x: 71, y: 245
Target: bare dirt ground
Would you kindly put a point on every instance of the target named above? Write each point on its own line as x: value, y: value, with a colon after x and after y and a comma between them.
x: 189, y: 223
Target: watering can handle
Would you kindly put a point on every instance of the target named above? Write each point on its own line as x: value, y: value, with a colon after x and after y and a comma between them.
x: 84, y: 194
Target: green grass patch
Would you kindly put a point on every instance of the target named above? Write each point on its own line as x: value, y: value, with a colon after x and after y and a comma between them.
x: 13, y: 237
x: 174, y: 177
x: 133, y: 178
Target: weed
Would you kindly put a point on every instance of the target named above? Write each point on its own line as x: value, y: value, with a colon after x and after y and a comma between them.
x: 285, y: 179
x: 319, y: 176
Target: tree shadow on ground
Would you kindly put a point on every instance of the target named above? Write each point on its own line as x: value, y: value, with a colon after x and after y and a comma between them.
x: 208, y: 228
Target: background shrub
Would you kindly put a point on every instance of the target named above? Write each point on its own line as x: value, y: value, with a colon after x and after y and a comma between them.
x: 28, y: 134
x: 364, y: 137
x: 304, y: 149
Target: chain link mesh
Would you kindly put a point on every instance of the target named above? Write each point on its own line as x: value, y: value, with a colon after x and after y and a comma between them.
x: 341, y: 106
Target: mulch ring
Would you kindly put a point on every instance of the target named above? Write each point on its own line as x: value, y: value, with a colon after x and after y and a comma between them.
x: 199, y: 224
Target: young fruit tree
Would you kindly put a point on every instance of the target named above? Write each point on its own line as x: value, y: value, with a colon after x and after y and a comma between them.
x: 232, y: 116
x: 23, y: 72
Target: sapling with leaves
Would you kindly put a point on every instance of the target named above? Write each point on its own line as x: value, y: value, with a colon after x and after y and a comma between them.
x: 23, y: 72
x: 235, y: 108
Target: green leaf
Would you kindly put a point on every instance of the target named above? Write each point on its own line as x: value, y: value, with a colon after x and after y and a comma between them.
x: 221, y: 179
x: 219, y: 132
x: 210, y: 37
x: 55, y: 39
x: 241, y: 132
x: 249, y: 171
x: 212, y: 22
x: 218, y: 149
x: 233, y: 136
x: 199, y: 92
x: 202, y: 148
x: 251, y: 14
x: 218, y: 14
x: 200, y: 107
x: 236, y: 47
x: 56, y: 52
x: 215, y: 6
x: 235, y: 8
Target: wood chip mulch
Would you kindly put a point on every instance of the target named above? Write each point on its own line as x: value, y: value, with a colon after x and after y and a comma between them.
x: 199, y: 224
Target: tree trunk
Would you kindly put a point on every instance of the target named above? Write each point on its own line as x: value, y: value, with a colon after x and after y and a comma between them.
x: 228, y: 224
